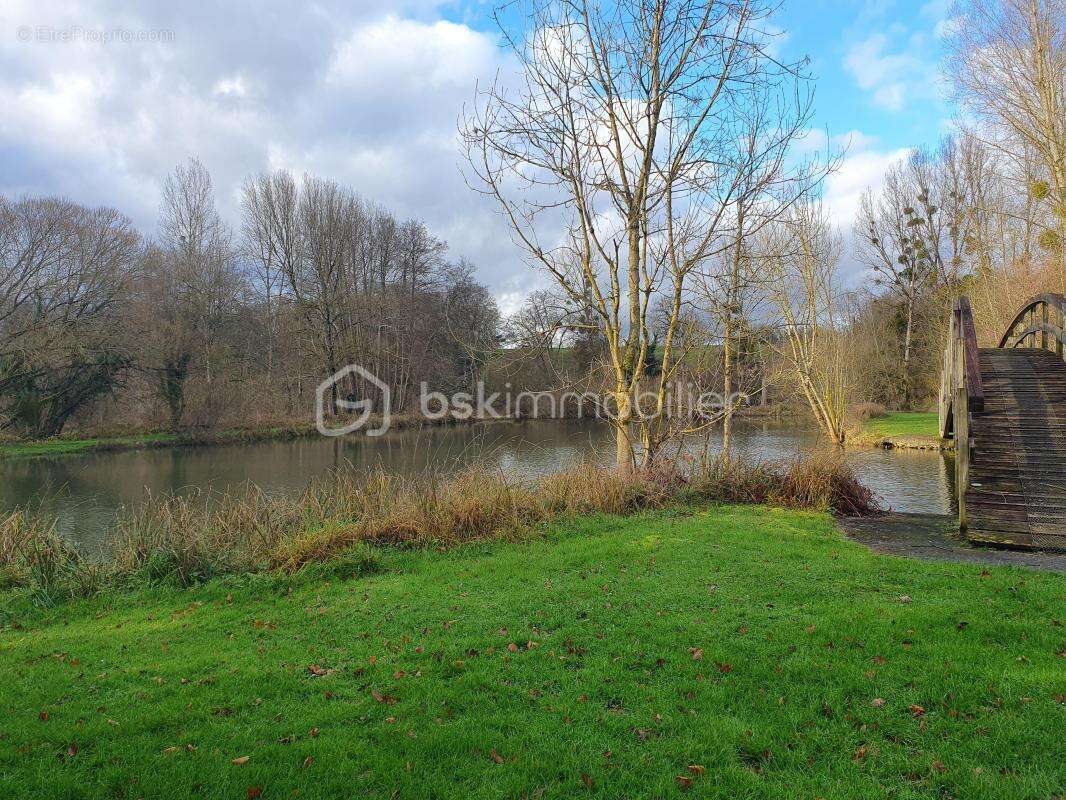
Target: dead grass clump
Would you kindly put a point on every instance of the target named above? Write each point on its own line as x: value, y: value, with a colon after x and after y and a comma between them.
x: 34, y: 556
x: 341, y: 517
x: 819, y: 480
x: 476, y: 504
x: 862, y: 412
x: 822, y: 480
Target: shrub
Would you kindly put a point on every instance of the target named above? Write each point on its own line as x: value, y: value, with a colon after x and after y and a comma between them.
x: 865, y: 411
x: 820, y: 480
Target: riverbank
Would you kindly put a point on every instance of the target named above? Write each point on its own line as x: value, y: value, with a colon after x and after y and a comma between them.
x: 190, y: 538
x: 733, y: 651
x: 150, y: 440
x: 157, y: 439
x: 905, y: 430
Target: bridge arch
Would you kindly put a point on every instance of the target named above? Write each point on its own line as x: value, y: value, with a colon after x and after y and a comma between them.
x: 1005, y: 407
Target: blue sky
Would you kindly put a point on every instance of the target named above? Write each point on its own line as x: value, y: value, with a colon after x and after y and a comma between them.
x: 876, y: 62
x: 369, y: 92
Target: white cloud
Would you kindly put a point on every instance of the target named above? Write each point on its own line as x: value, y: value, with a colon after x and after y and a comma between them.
x: 367, y: 93
x: 859, y: 171
x: 891, y: 77
x: 897, y: 63
x: 862, y: 168
x: 231, y: 87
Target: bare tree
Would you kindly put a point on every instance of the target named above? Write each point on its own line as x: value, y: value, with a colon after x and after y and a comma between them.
x: 189, y: 289
x: 1008, y: 66
x: 65, y: 271
x: 270, y: 243
x: 893, y: 235
x: 618, y: 158
x: 801, y: 254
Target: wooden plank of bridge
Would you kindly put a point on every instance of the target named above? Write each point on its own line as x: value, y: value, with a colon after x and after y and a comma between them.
x: 1017, y: 477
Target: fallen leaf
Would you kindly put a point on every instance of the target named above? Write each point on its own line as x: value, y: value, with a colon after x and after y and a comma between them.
x: 859, y: 754
x: 697, y: 769
x: 916, y: 709
x: 697, y: 653
x: 495, y: 756
x: 309, y: 761
x: 939, y: 766
x: 905, y: 598
x: 684, y: 782
x: 254, y: 792
x: 587, y: 780
x: 43, y: 716
x: 319, y: 672
x: 877, y: 702
x: 313, y: 732
x: 723, y: 668
x: 241, y: 761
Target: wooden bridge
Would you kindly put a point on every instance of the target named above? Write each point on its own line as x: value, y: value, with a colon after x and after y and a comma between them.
x: 1005, y: 407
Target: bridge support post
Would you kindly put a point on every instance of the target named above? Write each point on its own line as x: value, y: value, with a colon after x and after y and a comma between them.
x: 962, y: 451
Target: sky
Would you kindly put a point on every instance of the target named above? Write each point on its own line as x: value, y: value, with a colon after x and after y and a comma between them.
x: 101, y: 99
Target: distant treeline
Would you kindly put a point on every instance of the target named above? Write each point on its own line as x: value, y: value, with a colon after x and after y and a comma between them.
x: 204, y: 326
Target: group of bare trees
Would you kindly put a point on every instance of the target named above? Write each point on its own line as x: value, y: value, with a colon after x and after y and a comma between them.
x: 645, y: 163
x: 646, y: 143
x: 984, y: 213
x: 202, y: 326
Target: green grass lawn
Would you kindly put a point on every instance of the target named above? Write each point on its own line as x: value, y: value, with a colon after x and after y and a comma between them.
x: 904, y: 423
x: 727, y: 653
x: 54, y: 447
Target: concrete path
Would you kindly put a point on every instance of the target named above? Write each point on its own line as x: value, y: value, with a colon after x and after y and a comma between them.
x: 933, y: 537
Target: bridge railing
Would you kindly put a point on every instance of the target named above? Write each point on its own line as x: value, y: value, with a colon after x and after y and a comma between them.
x: 961, y: 393
x: 1040, y: 323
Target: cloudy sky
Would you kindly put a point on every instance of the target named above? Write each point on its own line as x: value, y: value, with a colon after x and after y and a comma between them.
x: 369, y: 92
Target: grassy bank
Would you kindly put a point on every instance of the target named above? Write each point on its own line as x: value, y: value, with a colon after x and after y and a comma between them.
x: 903, y: 429
x: 904, y: 423
x: 186, y: 539
x: 726, y: 651
x: 74, y: 445
x: 145, y: 441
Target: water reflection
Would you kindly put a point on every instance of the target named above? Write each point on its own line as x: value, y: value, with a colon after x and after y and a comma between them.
x: 85, y: 492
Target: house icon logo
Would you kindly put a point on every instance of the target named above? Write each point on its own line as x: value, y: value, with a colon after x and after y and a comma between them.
x: 364, y: 407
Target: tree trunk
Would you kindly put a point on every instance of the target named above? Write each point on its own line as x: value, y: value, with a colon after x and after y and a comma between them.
x: 623, y: 444
x: 727, y: 388
x: 907, y: 354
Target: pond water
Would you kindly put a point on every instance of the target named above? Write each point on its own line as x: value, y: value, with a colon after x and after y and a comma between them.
x: 85, y: 492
